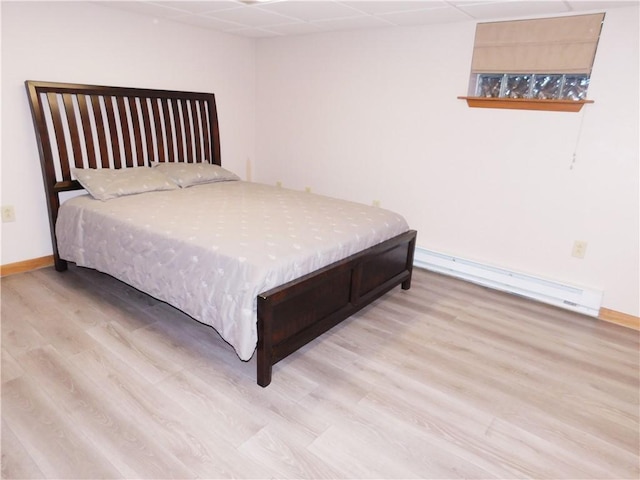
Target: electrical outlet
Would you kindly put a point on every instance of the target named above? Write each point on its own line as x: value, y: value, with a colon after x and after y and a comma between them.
x: 8, y: 214
x: 579, y: 249
x: 307, y: 189
x: 376, y: 203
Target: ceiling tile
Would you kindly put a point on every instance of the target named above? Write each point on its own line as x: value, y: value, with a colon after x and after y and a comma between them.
x: 600, y: 4
x: 210, y: 23
x: 145, y: 8
x: 301, y: 28
x: 511, y: 8
x: 380, y: 7
x: 254, y: 32
x: 351, y: 23
x: 311, y: 10
x: 251, y: 17
x: 426, y: 16
x: 198, y: 6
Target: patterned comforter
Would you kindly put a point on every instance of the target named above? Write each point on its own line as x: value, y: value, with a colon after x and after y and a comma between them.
x: 210, y: 249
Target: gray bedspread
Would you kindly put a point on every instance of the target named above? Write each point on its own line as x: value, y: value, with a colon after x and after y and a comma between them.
x: 209, y: 250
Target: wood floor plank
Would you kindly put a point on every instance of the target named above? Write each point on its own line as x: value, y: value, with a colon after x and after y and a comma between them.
x: 129, y: 445
x: 358, y: 456
x: 122, y: 343
x: 233, y: 422
x: 16, y: 461
x: 364, y: 432
x: 18, y: 336
x: 189, y: 434
x: 10, y: 367
x: 445, y: 380
x: 87, y: 305
x: 53, y: 320
x: 49, y: 435
x: 509, y: 357
x: 288, y: 459
x: 493, y: 386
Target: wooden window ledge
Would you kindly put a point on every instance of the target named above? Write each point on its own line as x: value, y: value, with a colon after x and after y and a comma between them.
x: 526, y: 103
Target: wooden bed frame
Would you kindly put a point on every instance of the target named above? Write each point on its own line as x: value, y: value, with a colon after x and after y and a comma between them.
x: 113, y: 127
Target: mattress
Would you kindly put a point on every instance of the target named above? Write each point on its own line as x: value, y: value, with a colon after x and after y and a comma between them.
x: 210, y: 249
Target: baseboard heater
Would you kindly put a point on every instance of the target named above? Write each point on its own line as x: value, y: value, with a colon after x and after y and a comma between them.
x: 570, y: 297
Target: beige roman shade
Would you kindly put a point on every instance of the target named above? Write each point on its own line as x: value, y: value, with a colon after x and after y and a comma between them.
x: 547, y: 45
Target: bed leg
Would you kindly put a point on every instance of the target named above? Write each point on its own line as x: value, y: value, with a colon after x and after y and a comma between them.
x: 406, y: 285
x: 264, y: 373
x: 60, y: 265
x: 263, y: 354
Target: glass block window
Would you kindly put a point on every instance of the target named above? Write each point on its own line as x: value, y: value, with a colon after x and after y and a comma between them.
x: 547, y: 87
x: 543, y: 59
x: 489, y: 85
x: 575, y: 87
x: 542, y: 86
x: 517, y: 86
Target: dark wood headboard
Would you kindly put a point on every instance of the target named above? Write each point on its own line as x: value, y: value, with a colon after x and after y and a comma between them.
x: 90, y: 126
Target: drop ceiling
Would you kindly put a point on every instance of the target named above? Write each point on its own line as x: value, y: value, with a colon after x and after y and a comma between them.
x: 274, y: 18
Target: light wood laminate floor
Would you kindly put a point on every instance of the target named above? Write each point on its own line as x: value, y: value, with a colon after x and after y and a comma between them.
x: 446, y: 380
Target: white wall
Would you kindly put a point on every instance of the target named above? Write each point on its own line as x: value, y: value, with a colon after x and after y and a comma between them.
x: 81, y: 42
x: 373, y: 115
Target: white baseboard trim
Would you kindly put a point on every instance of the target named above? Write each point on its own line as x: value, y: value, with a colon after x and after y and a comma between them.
x: 579, y: 299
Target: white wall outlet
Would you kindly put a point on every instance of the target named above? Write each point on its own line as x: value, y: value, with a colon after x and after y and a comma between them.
x: 8, y: 214
x: 579, y: 249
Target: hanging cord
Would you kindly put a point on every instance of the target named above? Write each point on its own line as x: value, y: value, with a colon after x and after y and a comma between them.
x: 575, y: 148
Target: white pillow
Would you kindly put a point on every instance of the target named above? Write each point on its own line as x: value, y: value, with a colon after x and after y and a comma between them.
x: 106, y: 183
x: 188, y: 174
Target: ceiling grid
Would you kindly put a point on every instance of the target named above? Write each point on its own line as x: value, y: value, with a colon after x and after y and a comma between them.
x: 274, y: 18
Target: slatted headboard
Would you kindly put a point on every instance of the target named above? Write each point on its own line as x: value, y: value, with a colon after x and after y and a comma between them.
x: 89, y: 126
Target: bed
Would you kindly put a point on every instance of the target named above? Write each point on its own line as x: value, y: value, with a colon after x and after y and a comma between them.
x: 291, y: 267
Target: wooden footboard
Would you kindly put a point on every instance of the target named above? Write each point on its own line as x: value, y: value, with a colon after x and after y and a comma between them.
x: 293, y: 314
